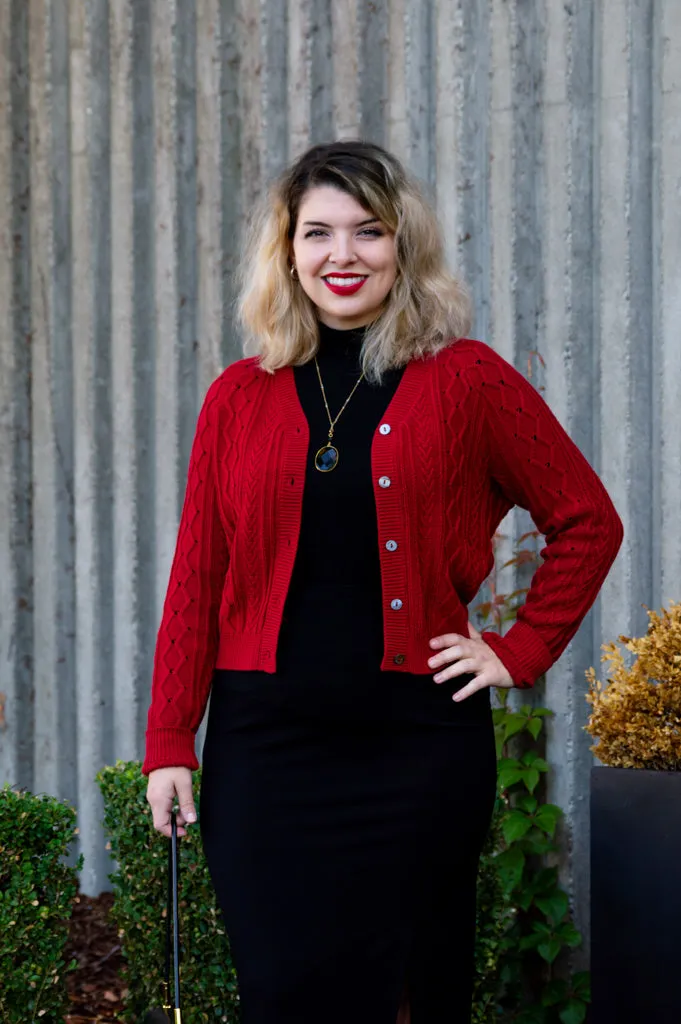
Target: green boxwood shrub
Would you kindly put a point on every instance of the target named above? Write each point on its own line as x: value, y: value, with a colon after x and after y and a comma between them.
x: 207, y: 974
x: 208, y: 977
x: 37, y: 891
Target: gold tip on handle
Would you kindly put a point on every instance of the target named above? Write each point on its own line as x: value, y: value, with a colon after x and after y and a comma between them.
x: 178, y: 1016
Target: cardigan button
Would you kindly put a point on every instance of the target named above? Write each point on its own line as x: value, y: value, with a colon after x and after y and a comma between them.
x: 384, y: 481
x: 396, y: 604
x: 391, y: 545
x: 398, y: 659
x: 385, y: 428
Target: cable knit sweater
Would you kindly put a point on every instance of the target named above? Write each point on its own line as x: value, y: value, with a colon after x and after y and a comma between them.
x: 464, y: 439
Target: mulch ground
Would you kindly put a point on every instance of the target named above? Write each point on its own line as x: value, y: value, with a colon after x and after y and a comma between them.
x: 95, y: 987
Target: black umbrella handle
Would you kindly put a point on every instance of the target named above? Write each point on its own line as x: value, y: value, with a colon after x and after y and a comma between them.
x: 173, y: 908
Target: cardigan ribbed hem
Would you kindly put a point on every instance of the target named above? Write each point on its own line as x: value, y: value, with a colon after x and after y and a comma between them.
x: 524, y: 654
x: 169, y: 748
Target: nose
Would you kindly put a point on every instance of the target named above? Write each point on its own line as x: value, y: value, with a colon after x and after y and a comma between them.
x: 342, y: 252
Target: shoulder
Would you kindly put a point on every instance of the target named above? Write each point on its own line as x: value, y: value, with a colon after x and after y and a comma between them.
x: 229, y: 394
x: 243, y: 373
x: 473, y: 357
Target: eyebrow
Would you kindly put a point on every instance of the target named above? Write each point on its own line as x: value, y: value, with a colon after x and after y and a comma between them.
x: 321, y: 224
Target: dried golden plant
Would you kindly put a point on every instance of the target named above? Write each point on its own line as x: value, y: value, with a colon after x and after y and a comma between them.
x: 636, y: 717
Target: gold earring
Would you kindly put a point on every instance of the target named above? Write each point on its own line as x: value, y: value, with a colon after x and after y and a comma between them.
x: 294, y: 272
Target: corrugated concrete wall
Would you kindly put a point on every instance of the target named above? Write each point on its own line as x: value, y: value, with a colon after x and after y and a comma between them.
x: 135, y: 135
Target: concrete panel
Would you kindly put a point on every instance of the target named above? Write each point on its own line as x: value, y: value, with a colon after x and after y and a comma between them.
x: 209, y: 199
x: 571, y: 389
x: 169, y: 476
x: 667, y: 302
x: 233, y: 208
x: 54, y: 751
x: 420, y: 62
x: 91, y: 339
x: 346, y: 83
x: 128, y: 679
x: 16, y: 540
x: 374, y: 52
x: 397, y: 128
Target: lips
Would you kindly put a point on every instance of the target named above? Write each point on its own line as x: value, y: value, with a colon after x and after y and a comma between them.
x: 344, y: 284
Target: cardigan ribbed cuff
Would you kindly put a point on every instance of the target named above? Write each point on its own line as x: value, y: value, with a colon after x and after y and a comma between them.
x: 524, y: 654
x: 169, y: 748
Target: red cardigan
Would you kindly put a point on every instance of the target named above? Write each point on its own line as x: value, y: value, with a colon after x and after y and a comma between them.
x: 464, y: 438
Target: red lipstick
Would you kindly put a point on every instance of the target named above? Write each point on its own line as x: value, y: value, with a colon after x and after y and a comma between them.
x: 355, y: 282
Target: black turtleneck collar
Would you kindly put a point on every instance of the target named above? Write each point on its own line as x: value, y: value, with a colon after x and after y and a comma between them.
x: 348, y: 340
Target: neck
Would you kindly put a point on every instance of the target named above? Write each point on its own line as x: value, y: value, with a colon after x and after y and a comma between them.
x: 336, y: 335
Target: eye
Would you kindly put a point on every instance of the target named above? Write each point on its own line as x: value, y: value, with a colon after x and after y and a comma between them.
x: 314, y: 233
x: 372, y: 232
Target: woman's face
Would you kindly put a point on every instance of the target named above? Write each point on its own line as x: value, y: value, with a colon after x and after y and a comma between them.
x: 345, y: 258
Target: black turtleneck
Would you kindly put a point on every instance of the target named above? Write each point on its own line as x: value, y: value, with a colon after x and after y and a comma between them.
x: 335, y: 590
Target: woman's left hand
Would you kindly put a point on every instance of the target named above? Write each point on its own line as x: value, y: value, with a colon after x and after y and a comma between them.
x: 469, y: 655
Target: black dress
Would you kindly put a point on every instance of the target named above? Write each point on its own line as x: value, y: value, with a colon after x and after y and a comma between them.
x: 343, y: 808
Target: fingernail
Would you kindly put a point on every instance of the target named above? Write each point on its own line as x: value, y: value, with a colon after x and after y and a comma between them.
x: 438, y: 678
x: 191, y: 817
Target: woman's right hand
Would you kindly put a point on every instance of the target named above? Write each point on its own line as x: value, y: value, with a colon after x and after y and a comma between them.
x: 164, y: 783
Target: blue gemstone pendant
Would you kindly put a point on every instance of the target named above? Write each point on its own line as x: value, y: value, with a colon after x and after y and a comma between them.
x: 326, y: 458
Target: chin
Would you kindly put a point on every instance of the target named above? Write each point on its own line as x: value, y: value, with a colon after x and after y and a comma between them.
x: 346, y: 309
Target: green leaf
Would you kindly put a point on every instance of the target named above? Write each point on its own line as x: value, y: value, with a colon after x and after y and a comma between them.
x: 514, y: 724
x: 526, y: 802
x: 532, y: 1015
x: 524, y: 898
x: 555, y: 991
x: 534, y: 727
x: 569, y: 935
x: 510, y: 777
x: 547, y: 817
x: 545, y: 879
x: 549, y: 950
x: 532, y: 759
x: 530, y: 777
x: 537, y: 844
x: 509, y: 865
x: 573, y: 1012
x: 555, y: 906
x: 541, y: 713
x: 581, y: 985
x: 515, y: 825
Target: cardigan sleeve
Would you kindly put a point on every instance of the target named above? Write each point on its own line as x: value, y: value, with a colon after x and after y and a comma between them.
x: 186, y: 646
x: 538, y: 467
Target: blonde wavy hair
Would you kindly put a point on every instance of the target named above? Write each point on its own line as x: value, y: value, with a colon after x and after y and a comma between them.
x: 426, y: 309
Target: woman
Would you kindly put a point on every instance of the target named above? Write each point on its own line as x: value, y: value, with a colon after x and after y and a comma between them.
x: 344, y: 487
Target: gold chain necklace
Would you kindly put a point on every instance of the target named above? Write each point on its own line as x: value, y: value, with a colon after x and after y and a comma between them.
x: 326, y: 458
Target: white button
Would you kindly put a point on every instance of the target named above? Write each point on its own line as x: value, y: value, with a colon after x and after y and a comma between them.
x: 391, y: 545
x: 396, y: 604
x: 384, y: 481
x: 385, y: 428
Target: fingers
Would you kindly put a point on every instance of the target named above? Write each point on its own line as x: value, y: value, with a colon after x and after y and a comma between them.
x: 164, y: 785
x: 466, y: 666
x: 446, y: 640
x: 185, y: 797
x: 467, y: 691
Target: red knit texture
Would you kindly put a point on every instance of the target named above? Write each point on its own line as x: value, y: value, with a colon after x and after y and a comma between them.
x: 469, y: 438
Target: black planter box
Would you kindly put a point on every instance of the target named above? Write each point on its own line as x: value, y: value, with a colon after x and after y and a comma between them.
x: 635, y: 896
